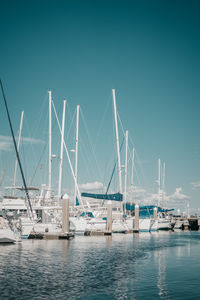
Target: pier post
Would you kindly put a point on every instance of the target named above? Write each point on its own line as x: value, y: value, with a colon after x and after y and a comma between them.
x: 109, y: 218
x: 136, y: 223
x: 1, y: 222
x: 155, y: 213
x: 65, y: 213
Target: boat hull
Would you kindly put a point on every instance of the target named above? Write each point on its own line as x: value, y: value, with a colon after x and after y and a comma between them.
x: 7, y: 236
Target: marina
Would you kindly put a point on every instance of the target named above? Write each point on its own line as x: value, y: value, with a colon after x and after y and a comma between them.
x: 99, y: 150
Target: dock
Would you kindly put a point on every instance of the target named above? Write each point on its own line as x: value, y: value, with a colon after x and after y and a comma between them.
x: 51, y: 236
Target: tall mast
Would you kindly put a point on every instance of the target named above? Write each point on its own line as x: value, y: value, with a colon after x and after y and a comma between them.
x: 76, y: 151
x: 117, y: 140
x: 61, y: 150
x: 18, y: 144
x: 163, y: 183
x: 158, y: 181
x: 133, y: 162
x: 125, y: 179
x: 132, y: 174
x: 50, y: 154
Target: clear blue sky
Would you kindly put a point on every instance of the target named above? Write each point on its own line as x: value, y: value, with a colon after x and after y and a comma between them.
x: 147, y: 50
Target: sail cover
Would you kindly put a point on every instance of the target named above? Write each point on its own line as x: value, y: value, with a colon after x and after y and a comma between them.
x: 112, y: 197
x: 147, y: 209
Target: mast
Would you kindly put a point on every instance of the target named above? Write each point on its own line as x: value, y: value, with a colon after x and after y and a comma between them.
x: 125, y: 179
x: 163, y: 183
x: 18, y: 144
x: 29, y: 208
x: 61, y: 150
x: 132, y: 173
x: 50, y: 154
x: 132, y: 169
x: 117, y: 140
x: 76, y: 151
x: 158, y: 181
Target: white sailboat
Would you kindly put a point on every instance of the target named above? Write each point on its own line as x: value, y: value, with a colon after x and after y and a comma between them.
x: 96, y: 220
x: 13, y: 204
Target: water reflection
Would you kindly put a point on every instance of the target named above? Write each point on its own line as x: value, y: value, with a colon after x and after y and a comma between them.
x: 160, y: 256
x: 133, y: 266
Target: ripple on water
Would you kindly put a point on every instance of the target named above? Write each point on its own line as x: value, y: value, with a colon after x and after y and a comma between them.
x: 151, y: 266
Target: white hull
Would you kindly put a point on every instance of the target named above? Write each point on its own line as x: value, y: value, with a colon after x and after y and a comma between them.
x: 178, y: 224
x: 46, y: 227
x: 164, y: 224
x: 144, y: 224
x: 7, y: 235
x: 26, y: 227
x: 78, y: 224
x: 81, y: 225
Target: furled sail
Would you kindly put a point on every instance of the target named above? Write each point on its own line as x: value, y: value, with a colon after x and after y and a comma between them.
x: 112, y: 197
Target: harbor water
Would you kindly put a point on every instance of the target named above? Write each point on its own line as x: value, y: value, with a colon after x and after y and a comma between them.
x: 160, y: 265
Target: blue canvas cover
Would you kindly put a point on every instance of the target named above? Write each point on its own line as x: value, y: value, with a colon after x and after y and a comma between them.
x: 112, y: 197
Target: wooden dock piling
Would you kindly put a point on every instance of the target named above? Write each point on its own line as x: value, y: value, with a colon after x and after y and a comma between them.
x: 109, y: 218
x: 136, y: 223
x: 155, y: 213
x: 65, y: 214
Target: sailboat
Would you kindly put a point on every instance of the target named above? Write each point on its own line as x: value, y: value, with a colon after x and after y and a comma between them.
x: 27, y: 199
x: 17, y: 204
x: 95, y: 220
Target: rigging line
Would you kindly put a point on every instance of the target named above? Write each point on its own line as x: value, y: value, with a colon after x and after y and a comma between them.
x: 23, y: 156
x: 67, y: 153
x: 4, y: 173
x: 86, y: 159
x: 71, y: 124
x: 15, y: 145
x: 38, y: 123
x: 109, y: 165
x: 114, y: 168
x: 43, y: 133
x: 89, y: 139
x: 32, y: 150
x: 39, y: 162
x: 113, y: 172
x: 146, y: 181
x: 121, y: 123
x: 136, y: 155
x: 54, y: 126
x: 101, y: 124
x: 71, y: 118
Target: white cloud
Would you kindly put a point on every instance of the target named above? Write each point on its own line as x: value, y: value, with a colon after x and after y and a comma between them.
x: 136, y: 192
x: 5, y: 146
x: 195, y: 185
x: 91, y: 186
x: 142, y: 197
x: 178, y: 195
x: 32, y: 141
x: 6, y: 142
